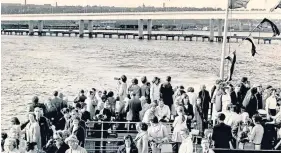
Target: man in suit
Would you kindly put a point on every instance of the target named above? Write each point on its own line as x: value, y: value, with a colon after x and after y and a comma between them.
x: 134, y: 107
x: 244, y: 87
x: 166, y: 92
x: 222, y: 135
x: 206, y: 99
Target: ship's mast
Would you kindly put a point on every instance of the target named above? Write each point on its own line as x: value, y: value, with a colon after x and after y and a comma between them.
x: 224, y: 41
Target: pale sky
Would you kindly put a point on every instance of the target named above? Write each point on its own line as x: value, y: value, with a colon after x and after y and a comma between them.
x: 156, y: 3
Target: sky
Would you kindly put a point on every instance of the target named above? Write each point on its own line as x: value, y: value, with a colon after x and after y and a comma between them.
x: 156, y: 3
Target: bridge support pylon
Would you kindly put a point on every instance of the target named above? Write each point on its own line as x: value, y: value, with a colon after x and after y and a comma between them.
x: 149, y: 29
x: 30, y: 26
x: 140, y: 27
x: 90, y: 28
x: 220, y: 27
x: 81, y: 28
x: 211, y: 30
x: 40, y: 27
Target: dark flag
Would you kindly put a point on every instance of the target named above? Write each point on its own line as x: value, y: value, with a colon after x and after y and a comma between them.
x: 275, y: 29
x: 231, y: 70
x: 251, y: 40
x: 235, y: 4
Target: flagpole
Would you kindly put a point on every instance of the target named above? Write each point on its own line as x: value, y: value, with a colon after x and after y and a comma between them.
x: 224, y: 41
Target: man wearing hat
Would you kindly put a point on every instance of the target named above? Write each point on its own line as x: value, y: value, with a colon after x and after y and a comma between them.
x: 72, y: 141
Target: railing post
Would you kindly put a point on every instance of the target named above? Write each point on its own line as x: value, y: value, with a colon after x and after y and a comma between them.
x: 101, y: 142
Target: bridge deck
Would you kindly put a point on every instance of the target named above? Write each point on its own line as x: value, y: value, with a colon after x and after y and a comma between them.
x: 134, y: 35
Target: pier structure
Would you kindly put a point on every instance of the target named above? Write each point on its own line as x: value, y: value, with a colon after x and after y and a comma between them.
x: 213, y: 16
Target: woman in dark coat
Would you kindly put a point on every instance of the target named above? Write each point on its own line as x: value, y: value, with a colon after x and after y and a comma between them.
x: 206, y: 99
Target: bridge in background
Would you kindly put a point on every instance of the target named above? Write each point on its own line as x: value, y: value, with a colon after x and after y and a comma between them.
x: 140, y: 16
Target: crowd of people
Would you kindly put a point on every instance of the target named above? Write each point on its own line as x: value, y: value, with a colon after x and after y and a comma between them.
x: 238, y: 115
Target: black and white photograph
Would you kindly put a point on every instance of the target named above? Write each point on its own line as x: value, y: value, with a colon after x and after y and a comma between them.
x: 140, y: 76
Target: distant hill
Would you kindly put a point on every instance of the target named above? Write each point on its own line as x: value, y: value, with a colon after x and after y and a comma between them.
x: 16, y: 8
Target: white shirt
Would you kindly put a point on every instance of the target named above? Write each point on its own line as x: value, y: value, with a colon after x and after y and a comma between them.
x: 232, y: 118
x: 192, y: 98
x: 271, y: 103
x: 161, y: 112
x: 226, y: 99
x: 128, y: 150
x: 155, y: 92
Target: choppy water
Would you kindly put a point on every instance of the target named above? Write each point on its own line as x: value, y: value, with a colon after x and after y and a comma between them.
x: 38, y: 66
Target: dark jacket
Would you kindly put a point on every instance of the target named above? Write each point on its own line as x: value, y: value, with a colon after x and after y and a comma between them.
x: 106, y: 112
x: 239, y: 99
x: 53, y: 148
x: 80, y: 134
x: 86, y: 116
x: 233, y: 98
x: 60, y: 125
x: 189, y: 112
x: 81, y: 99
x: 134, y: 108
x: 106, y: 126
x: 206, y: 99
x: 166, y: 92
x: 213, y: 91
x: 40, y: 105
x: 44, y: 130
x: 243, y: 90
x: 251, y: 104
x: 222, y: 136
x: 122, y: 149
x: 63, y: 148
x: 259, y: 98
